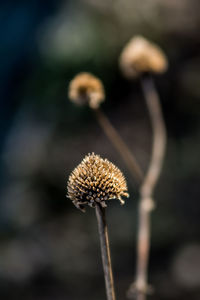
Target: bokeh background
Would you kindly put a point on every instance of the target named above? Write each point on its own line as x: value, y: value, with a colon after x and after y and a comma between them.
x: 48, y: 249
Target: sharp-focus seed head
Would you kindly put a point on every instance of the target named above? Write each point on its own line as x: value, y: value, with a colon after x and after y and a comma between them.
x: 86, y: 89
x: 96, y: 180
x: 141, y: 55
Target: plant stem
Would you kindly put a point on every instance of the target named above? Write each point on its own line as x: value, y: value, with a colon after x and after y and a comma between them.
x: 140, y: 287
x: 105, y: 252
x: 120, y: 145
x: 159, y: 137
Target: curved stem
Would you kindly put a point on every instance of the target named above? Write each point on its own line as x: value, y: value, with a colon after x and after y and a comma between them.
x: 120, y: 145
x: 105, y: 252
x: 159, y: 137
x: 140, y: 287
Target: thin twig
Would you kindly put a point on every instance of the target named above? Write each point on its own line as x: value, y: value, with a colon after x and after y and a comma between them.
x: 140, y: 287
x: 105, y: 252
x: 120, y: 145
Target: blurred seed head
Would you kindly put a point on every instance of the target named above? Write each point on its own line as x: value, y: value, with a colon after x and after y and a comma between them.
x: 96, y: 180
x: 86, y: 89
x: 141, y: 55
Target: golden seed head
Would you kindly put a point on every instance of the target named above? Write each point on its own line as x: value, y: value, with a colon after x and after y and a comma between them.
x: 86, y: 89
x: 96, y: 180
x: 141, y: 55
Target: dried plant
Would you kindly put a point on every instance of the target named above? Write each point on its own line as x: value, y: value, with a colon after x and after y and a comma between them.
x: 86, y: 89
x: 96, y: 180
x: 141, y: 57
x: 93, y: 182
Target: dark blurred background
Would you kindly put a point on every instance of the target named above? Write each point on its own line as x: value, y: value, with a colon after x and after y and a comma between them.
x: 49, y: 249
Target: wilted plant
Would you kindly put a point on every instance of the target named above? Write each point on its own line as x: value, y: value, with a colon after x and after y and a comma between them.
x: 141, y: 58
x: 94, y: 182
x: 86, y: 89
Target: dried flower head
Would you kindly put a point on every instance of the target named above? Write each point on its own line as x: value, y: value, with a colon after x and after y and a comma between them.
x: 141, y: 55
x: 96, y: 180
x: 86, y: 89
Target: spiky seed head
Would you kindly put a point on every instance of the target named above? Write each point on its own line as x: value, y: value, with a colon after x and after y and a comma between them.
x: 85, y: 89
x: 141, y: 55
x: 96, y: 180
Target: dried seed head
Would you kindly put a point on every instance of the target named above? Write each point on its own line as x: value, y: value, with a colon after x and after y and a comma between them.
x: 96, y: 180
x: 86, y: 89
x: 141, y: 55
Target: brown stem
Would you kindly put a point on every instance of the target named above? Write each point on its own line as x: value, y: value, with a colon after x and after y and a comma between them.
x: 159, y: 137
x: 140, y: 287
x: 105, y: 252
x: 120, y: 145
